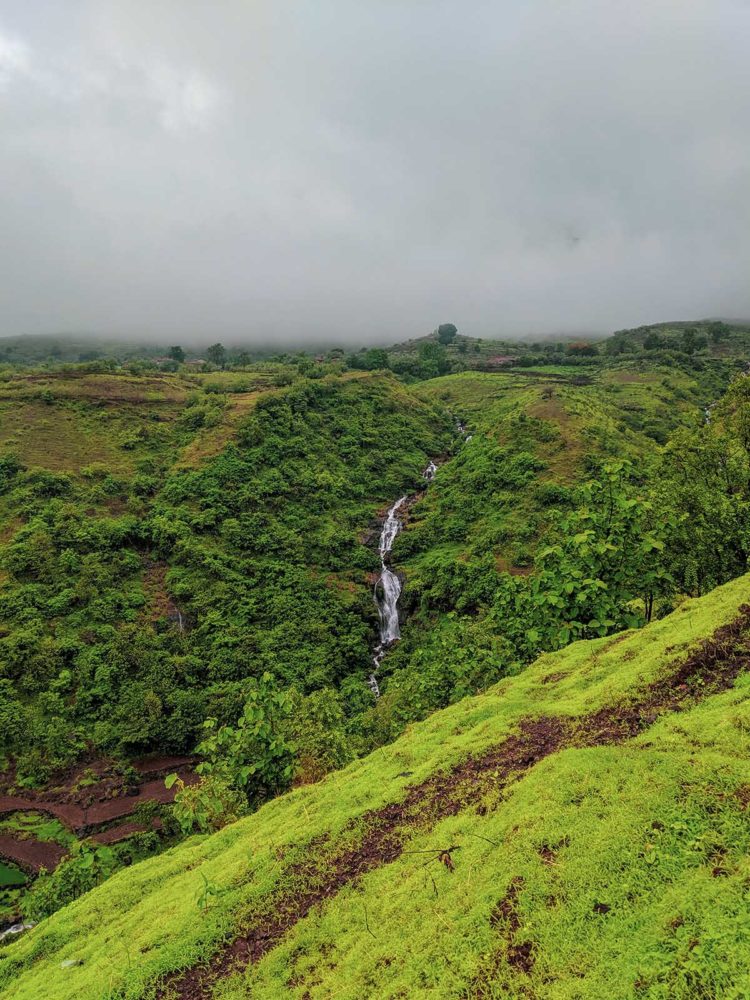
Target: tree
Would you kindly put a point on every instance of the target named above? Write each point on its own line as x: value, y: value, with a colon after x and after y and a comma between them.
x: 692, y: 341
x: 375, y: 358
x: 653, y: 342
x: 735, y: 408
x: 604, y: 570
x: 251, y: 759
x: 176, y: 353
x: 217, y: 355
x: 718, y: 331
x: 581, y: 348
x: 446, y: 333
x: 702, y: 479
x: 432, y: 359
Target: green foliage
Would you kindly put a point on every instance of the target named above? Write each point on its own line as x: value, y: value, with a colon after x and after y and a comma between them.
x: 433, y: 360
x: 209, y: 892
x: 718, y: 332
x: 317, y: 729
x: 582, y: 348
x: 253, y: 754
x: 85, y: 868
x: 207, y: 805
x: 462, y: 657
x: 604, y: 570
x: 217, y: 354
x: 370, y: 360
x: 692, y: 341
x: 243, y: 764
x: 703, y: 487
x: 446, y: 333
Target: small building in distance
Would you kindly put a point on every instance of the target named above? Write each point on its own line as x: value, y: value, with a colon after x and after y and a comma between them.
x: 195, y: 363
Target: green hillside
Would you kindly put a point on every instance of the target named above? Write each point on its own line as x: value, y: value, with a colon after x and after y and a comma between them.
x: 578, y: 831
x: 190, y: 587
x: 162, y: 541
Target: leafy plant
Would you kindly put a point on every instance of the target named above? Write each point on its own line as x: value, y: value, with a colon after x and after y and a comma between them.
x: 86, y: 867
x: 244, y: 764
x: 603, y: 570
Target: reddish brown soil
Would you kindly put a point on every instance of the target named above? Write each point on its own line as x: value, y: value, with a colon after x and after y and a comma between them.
x: 162, y: 765
x: 505, y: 919
x: 117, y: 833
x: 70, y: 815
x: 124, y: 830
x: 31, y: 854
x: 86, y: 783
x: 82, y: 820
x: 379, y: 835
x: 83, y: 809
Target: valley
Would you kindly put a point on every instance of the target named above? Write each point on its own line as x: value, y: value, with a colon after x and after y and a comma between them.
x: 341, y: 619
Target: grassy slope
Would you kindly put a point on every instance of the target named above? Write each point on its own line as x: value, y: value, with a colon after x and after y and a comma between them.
x: 624, y: 866
x: 472, y: 510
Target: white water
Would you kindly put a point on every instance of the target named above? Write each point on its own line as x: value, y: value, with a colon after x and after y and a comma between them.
x: 387, y: 591
x: 388, y: 585
x: 16, y: 929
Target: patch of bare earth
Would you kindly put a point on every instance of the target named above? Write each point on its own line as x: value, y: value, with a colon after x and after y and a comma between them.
x: 379, y: 836
x: 30, y: 854
x: 88, y: 801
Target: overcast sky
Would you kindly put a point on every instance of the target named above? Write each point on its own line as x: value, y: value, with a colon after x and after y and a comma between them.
x: 365, y: 169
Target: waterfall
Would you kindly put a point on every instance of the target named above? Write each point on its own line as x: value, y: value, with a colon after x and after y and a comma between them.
x: 387, y: 591
x: 388, y: 585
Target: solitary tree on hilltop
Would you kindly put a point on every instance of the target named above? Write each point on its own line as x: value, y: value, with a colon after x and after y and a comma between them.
x: 447, y: 333
x: 217, y: 355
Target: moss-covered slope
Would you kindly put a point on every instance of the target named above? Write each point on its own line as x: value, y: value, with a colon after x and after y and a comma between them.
x: 580, y: 831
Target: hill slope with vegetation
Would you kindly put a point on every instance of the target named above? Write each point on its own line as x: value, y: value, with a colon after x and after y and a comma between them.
x: 190, y: 574
x: 580, y: 830
x: 144, y: 576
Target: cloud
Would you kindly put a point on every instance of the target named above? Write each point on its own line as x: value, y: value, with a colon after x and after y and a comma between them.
x: 364, y: 171
x: 14, y: 60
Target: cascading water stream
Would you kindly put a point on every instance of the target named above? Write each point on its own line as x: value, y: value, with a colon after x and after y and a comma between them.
x: 388, y: 585
x: 387, y: 591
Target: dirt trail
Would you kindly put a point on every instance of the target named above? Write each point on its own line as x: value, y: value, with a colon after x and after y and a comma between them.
x: 323, y: 871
